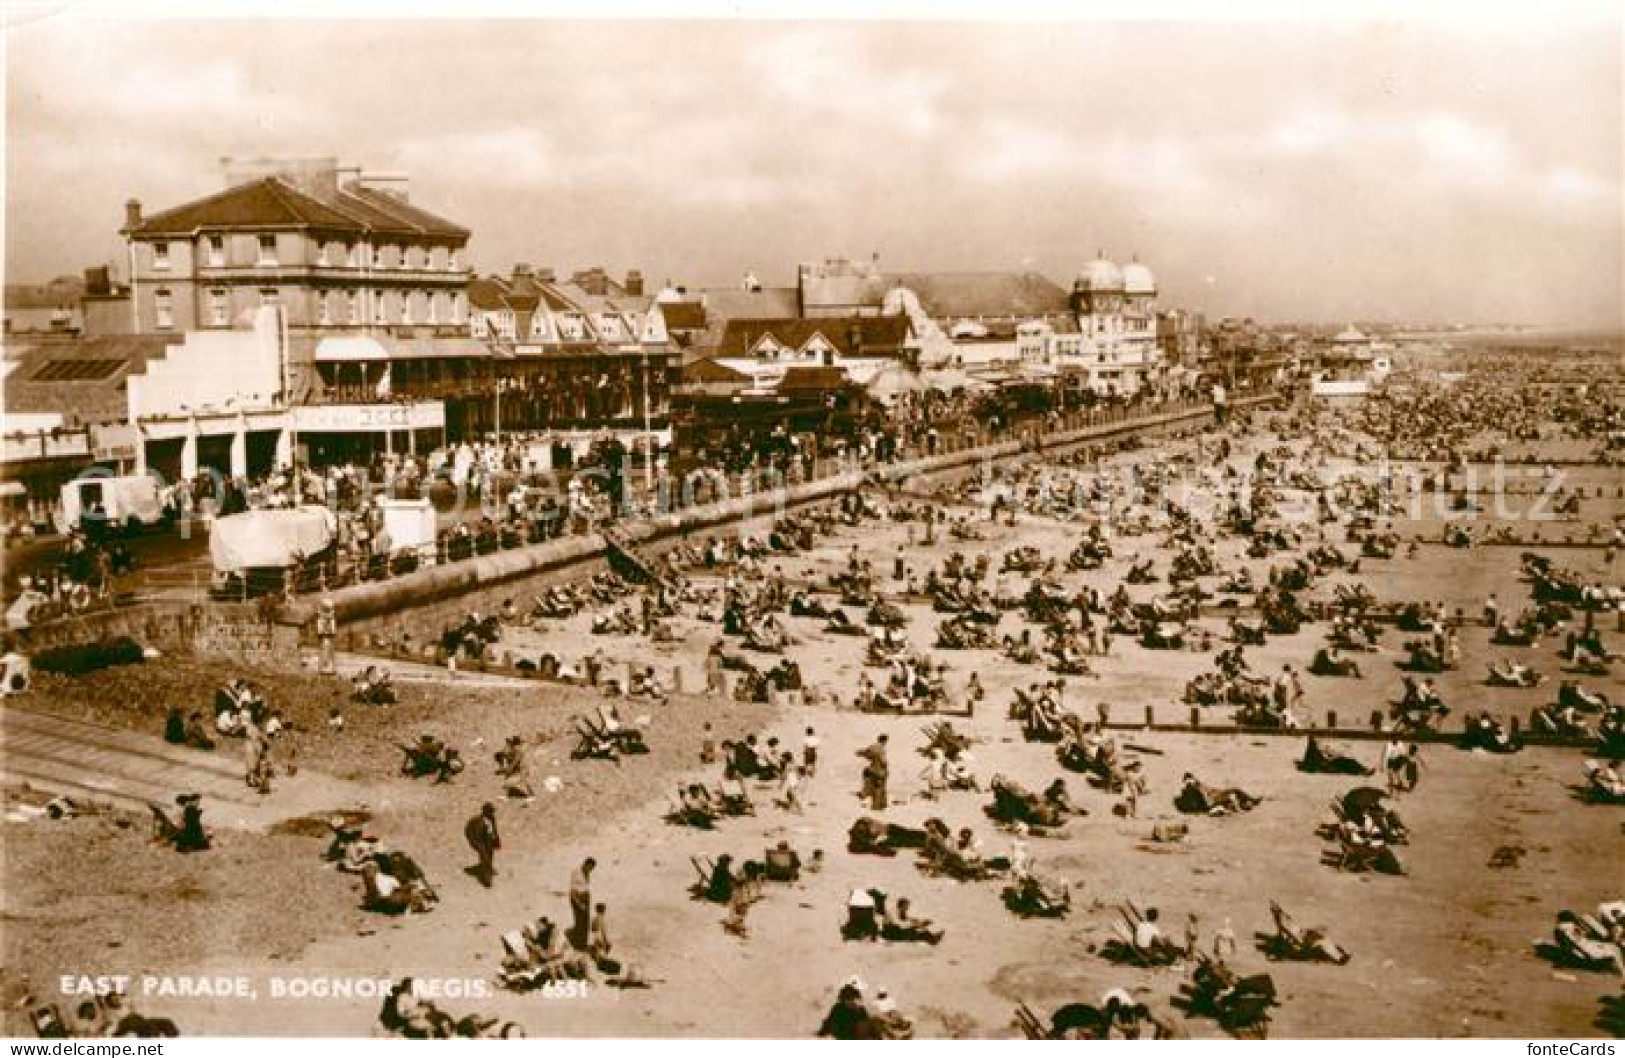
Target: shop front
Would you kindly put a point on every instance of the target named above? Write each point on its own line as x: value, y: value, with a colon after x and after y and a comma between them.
x: 333, y: 434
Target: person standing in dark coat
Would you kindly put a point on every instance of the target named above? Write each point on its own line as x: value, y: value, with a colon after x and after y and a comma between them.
x: 875, y: 772
x: 481, y: 832
x: 581, y: 902
x: 192, y: 836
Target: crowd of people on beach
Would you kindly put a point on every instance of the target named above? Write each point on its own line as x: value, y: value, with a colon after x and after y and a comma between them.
x: 1158, y: 576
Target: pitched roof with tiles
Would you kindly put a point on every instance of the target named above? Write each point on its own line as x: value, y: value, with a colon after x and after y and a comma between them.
x: 487, y: 294
x: 271, y: 203
x: 778, y: 303
x: 800, y: 379
x: 874, y: 335
x: 954, y: 294
x: 683, y: 315
x: 83, y: 380
x: 413, y: 218
x: 712, y: 371
x: 843, y: 291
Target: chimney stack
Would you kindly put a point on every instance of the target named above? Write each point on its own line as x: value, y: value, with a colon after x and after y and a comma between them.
x: 546, y: 274
x: 594, y: 281
x: 634, y: 283
x: 132, y: 213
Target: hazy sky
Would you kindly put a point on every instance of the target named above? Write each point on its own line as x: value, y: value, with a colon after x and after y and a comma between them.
x: 1435, y: 170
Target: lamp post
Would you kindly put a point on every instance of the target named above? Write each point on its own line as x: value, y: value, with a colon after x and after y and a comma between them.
x: 648, y: 433
x: 496, y: 408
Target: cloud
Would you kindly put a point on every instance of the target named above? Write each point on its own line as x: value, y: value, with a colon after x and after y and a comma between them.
x: 503, y: 157
x: 1311, y: 168
x: 79, y: 72
x: 826, y: 74
x: 1459, y: 144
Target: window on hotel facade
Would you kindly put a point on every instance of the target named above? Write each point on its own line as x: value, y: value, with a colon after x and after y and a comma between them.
x: 352, y: 254
x: 354, y: 314
x: 160, y: 255
x: 457, y: 307
x: 406, y: 309
x: 324, y: 310
x: 451, y: 261
x: 267, y: 250
x: 219, y: 308
x: 434, y: 309
x: 217, y: 251
x: 322, y: 253
x: 270, y: 296
x: 380, y: 313
x: 163, y: 309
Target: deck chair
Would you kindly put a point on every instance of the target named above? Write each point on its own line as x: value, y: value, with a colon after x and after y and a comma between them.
x: 164, y: 829
x: 1030, y: 1026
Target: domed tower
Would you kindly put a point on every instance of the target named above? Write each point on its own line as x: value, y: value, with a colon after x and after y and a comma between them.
x: 1098, y: 289
x: 1139, y: 289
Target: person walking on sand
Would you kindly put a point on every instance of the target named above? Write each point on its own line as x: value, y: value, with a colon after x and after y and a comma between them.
x: 481, y: 832
x: 327, y: 630
x: 581, y: 902
x: 875, y: 772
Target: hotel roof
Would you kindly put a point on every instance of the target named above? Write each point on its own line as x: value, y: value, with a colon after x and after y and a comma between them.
x: 271, y: 204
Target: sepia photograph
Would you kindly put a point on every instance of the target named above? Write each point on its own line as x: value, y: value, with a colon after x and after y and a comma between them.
x: 734, y: 522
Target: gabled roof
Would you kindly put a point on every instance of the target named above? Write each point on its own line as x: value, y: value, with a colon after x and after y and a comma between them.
x: 487, y: 295
x: 683, y: 315
x: 267, y: 203
x: 272, y: 203
x: 555, y: 301
x: 946, y: 294
x: 766, y: 303
x: 411, y: 218
x: 843, y: 291
x: 814, y: 379
x: 850, y: 335
x: 712, y: 371
x: 732, y: 303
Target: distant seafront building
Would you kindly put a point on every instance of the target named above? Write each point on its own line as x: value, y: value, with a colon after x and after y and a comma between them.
x: 1349, y: 366
x: 1101, y: 336
x: 581, y: 356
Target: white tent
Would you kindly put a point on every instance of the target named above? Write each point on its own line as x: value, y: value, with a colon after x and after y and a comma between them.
x: 891, y: 382
x: 269, y: 539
